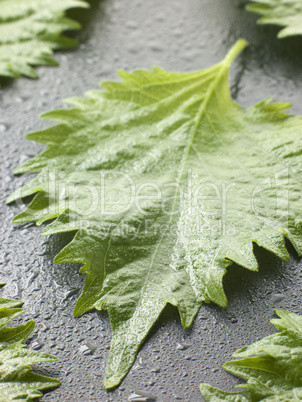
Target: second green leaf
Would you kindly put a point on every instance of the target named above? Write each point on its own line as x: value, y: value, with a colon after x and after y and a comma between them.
x: 285, y: 13
x: 30, y: 31
x: 271, y: 367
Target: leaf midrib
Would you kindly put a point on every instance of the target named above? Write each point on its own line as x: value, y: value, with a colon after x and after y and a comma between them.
x: 190, y: 145
x: 210, y: 92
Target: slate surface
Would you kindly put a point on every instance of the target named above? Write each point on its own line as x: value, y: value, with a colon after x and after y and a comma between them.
x: 176, y: 35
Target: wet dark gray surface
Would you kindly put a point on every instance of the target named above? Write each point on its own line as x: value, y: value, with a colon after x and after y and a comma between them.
x: 176, y: 35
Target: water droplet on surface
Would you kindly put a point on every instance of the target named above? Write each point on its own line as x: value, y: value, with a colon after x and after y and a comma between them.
x: 142, y: 396
x: 99, y: 374
x: 131, y: 24
x: 70, y: 293
x: 138, y: 365
x: 38, y: 344
x: 155, y: 47
x: 3, y: 127
x: 277, y: 297
x: 32, y: 277
x: 92, y: 347
x: 84, y: 349
x: 21, y: 99
x: 183, y: 346
x: 155, y: 369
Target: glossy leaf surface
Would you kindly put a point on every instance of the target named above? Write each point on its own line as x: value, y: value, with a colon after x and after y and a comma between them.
x: 165, y: 181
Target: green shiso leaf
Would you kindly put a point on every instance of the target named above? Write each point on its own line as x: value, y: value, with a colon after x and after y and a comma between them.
x: 165, y: 181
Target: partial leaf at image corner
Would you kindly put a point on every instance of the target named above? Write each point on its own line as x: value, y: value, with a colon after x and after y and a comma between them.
x: 284, y: 13
x: 271, y: 367
x: 30, y: 31
x: 17, y: 381
x: 165, y: 181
